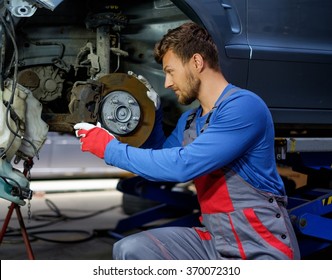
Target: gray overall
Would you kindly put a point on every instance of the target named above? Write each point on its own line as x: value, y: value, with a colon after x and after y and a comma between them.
x: 240, y: 222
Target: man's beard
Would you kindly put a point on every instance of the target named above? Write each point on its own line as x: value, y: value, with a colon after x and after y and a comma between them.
x: 190, y: 93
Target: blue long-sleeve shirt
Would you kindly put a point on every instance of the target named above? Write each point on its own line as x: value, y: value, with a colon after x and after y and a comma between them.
x: 240, y: 135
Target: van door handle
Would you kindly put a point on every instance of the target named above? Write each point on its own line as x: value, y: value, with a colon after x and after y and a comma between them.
x: 232, y: 16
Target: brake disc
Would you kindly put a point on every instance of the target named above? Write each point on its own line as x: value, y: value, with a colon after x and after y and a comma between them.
x: 125, y: 109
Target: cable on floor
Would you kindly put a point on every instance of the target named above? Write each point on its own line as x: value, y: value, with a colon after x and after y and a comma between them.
x: 57, y: 216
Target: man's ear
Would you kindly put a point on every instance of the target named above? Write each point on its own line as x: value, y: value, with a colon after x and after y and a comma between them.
x: 198, y: 61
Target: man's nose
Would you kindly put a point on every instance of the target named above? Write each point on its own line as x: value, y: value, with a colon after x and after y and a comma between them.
x: 168, y: 82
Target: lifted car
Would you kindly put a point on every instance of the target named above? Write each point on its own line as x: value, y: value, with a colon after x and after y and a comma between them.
x: 66, y: 61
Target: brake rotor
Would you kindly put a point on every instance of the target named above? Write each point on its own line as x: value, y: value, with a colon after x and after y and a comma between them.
x: 125, y: 109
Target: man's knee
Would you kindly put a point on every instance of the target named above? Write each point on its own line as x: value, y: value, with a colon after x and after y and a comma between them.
x: 141, y: 245
x: 123, y: 248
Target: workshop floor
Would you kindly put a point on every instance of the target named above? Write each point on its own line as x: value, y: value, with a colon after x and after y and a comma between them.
x: 64, y: 224
x: 71, y: 220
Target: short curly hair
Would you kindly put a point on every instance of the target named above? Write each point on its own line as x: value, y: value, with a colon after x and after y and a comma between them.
x: 186, y: 40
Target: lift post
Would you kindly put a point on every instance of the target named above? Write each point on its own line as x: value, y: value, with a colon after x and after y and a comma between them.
x: 310, y: 206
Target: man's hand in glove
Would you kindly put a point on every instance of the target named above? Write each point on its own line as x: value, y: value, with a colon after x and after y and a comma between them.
x: 93, y: 138
x: 151, y: 93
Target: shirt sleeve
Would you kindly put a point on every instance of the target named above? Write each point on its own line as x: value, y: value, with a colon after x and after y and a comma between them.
x: 234, y: 128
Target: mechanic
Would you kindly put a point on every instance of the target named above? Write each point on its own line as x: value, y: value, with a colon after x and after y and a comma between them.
x: 226, y: 146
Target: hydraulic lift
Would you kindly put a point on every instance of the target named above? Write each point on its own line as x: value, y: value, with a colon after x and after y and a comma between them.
x: 310, y: 206
x: 177, y: 205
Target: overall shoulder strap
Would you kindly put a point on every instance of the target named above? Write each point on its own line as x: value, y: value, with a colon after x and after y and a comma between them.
x: 190, y: 128
x: 190, y: 118
x: 227, y: 94
x: 189, y: 133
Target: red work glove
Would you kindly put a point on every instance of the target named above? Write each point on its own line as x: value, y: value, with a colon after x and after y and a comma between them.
x: 93, y: 139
